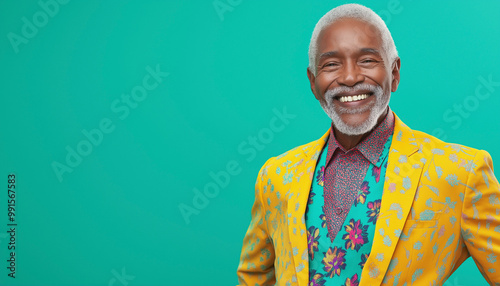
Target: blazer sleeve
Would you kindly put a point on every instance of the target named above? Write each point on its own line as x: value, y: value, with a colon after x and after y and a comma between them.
x: 256, y: 265
x: 480, y: 225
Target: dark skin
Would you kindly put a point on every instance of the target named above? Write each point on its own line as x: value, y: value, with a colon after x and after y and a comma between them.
x: 350, y: 53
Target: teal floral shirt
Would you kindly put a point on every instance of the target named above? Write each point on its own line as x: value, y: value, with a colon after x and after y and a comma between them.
x: 341, y: 261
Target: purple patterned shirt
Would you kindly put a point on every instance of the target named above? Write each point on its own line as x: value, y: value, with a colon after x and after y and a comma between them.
x: 345, y: 171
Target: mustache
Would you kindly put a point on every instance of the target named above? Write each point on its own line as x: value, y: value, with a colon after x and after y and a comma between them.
x: 334, y: 92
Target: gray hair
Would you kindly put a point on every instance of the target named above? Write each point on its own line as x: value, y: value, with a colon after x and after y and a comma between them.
x: 355, y: 11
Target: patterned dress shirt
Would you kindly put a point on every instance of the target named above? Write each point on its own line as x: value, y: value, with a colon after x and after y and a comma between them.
x: 345, y: 170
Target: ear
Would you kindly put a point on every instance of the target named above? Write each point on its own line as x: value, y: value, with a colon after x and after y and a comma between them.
x: 312, y: 82
x: 395, y: 74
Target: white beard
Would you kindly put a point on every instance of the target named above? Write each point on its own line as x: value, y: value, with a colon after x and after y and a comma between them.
x: 376, y: 108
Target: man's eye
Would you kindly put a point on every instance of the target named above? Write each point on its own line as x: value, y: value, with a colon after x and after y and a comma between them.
x: 330, y: 64
x: 368, y: 61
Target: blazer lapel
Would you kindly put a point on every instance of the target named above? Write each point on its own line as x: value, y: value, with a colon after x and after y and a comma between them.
x: 402, y: 176
x: 296, y: 207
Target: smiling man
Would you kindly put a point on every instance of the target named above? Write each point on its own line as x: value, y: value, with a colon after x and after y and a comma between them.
x: 372, y: 202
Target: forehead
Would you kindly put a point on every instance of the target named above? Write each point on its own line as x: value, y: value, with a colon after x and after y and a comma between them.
x: 349, y: 35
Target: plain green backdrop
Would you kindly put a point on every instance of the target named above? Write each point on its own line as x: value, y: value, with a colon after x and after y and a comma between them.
x: 232, y: 66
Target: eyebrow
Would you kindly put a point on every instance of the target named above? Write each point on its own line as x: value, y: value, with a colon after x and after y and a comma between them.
x: 327, y: 55
x: 371, y: 51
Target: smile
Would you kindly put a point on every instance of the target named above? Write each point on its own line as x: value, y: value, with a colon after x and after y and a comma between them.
x: 351, y: 98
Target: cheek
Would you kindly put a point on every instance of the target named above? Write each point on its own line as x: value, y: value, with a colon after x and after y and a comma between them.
x: 381, y: 78
x: 325, y: 81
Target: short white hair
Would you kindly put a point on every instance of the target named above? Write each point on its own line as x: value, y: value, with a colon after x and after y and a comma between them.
x: 358, y: 12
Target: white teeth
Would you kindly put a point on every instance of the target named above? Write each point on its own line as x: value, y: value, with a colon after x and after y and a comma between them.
x: 353, y: 98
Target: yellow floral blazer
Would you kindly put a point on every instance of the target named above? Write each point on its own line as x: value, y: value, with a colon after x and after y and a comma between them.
x: 441, y: 204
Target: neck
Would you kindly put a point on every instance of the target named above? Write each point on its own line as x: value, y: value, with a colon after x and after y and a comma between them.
x: 351, y: 141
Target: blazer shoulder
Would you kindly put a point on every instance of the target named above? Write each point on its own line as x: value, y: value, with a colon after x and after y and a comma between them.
x: 430, y: 146
x: 433, y: 145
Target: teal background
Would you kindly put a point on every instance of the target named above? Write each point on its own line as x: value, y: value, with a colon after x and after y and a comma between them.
x: 118, y: 210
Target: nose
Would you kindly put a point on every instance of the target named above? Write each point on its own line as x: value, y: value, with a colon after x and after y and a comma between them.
x: 350, y: 74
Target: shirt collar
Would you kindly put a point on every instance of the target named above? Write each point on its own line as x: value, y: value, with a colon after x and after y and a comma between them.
x: 372, y: 146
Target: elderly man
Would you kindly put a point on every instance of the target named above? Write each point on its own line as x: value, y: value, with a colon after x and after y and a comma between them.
x: 372, y: 202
